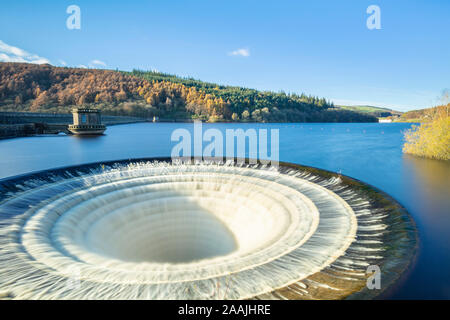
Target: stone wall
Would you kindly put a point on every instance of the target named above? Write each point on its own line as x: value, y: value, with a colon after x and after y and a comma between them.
x: 17, y: 130
x: 19, y: 124
x: 57, y: 118
x: 28, y: 117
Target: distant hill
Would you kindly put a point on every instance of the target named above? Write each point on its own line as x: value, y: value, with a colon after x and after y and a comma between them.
x: 423, y: 115
x: 374, y: 111
x: 44, y: 88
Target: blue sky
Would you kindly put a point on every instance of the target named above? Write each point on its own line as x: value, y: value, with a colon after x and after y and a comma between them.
x: 318, y: 47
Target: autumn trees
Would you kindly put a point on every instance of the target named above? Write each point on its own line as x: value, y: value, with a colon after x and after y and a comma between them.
x: 431, y: 139
x: 171, y: 98
x: 211, y: 101
x: 43, y: 88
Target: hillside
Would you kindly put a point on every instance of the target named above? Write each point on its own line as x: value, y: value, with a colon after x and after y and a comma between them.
x: 44, y: 88
x: 374, y: 111
x: 421, y: 115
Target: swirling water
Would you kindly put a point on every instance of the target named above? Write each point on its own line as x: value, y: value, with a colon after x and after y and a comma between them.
x: 160, y: 231
x: 369, y: 152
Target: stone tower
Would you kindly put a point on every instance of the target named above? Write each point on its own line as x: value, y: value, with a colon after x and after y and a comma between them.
x: 86, y: 122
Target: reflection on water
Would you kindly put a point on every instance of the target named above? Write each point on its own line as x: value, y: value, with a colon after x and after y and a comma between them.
x: 370, y: 152
x: 428, y: 184
x: 433, y: 177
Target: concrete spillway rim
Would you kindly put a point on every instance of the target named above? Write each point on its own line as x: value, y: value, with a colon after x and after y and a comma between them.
x: 9, y: 183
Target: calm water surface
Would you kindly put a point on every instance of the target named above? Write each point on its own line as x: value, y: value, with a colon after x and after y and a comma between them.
x: 369, y: 152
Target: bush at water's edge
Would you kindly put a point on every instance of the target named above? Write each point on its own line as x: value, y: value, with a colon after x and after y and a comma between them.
x: 431, y: 139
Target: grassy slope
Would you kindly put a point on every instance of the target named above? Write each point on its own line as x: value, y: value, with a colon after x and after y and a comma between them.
x: 375, y: 111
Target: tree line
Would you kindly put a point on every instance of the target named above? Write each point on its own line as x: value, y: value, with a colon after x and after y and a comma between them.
x: 44, y: 88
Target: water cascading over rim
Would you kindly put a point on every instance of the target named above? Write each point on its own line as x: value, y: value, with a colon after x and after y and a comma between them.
x: 155, y: 230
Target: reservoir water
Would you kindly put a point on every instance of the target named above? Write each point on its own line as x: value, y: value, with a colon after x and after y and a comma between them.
x: 368, y: 152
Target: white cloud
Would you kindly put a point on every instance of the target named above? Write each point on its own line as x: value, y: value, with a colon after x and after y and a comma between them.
x: 97, y: 63
x: 62, y: 62
x: 82, y: 66
x: 13, y: 54
x: 240, y: 52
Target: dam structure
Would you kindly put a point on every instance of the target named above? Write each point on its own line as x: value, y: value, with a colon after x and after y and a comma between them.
x: 161, y: 229
x: 22, y: 124
x: 86, y: 122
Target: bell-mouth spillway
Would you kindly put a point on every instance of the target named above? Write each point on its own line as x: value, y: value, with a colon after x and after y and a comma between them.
x: 153, y: 229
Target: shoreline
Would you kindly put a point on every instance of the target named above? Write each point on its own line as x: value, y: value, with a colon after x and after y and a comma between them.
x: 32, y: 129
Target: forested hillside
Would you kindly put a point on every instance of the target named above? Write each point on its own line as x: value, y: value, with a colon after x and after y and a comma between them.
x: 44, y: 88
